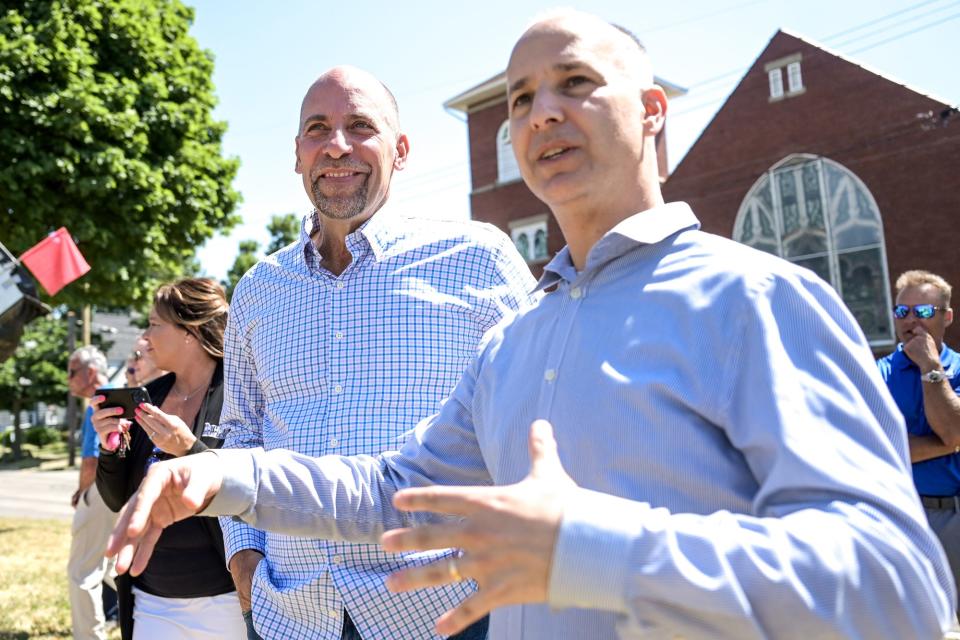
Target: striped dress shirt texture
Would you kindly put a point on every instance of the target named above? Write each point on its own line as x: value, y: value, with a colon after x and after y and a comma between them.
x: 742, y: 469
x: 348, y: 364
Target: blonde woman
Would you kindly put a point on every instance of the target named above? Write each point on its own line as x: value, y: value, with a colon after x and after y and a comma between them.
x: 185, y: 591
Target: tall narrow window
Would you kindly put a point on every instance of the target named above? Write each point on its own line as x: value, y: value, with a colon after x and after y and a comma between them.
x: 818, y: 214
x: 507, y: 169
x: 776, y: 83
x: 794, y: 80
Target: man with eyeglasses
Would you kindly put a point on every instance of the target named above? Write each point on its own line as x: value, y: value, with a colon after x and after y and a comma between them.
x: 923, y: 374
x: 92, y: 519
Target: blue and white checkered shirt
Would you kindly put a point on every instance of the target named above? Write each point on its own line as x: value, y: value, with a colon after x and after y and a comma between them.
x: 347, y: 364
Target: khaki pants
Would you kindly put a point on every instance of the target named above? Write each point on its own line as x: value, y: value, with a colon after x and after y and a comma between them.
x: 87, y: 568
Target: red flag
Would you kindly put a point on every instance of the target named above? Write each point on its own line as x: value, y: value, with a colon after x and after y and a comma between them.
x: 55, y: 261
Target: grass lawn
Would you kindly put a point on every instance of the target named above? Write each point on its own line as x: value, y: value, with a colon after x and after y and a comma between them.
x: 52, y: 456
x: 33, y: 579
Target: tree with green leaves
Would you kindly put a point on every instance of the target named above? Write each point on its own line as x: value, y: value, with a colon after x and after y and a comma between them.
x: 37, y: 371
x: 246, y: 258
x: 108, y: 130
x: 283, y: 230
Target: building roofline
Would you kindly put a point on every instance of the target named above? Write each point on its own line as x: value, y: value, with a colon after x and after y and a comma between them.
x: 865, y: 67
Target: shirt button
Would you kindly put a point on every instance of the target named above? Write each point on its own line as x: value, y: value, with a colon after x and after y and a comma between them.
x: 550, y: 375
x: 337, y: 559
x: 334, y: 442
x: 340, y: 284
x: 338, y: 335
x: 334, y: 613
x: 337, y: 388
x: 576, y: 293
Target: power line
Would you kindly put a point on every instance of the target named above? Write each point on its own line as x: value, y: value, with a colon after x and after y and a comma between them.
x: 702, y: 105
x: 911, y: 32
x: 878, y: 20
x: 727, y: 74
x: 870, y: 34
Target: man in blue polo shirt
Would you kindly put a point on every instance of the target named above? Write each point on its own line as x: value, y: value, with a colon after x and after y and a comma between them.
x: 923, y: 374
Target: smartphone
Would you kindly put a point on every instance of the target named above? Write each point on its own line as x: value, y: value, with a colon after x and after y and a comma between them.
x: 127, y: 397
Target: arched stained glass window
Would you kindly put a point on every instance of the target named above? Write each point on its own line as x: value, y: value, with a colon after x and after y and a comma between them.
x: 816, y: 213
x: 507, y: 169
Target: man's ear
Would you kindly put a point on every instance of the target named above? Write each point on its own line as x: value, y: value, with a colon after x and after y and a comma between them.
x: 948, y: 317
x: 403, y: 148
x: 655, y: 107
x: 296, y: 151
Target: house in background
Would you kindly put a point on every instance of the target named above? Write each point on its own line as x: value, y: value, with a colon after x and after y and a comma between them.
x: 812, y: 157
x: 498, y: 195
x: 831, y: 165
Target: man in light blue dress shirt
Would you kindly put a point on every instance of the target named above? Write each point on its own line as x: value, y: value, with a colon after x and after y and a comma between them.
x: 684, y: 438
x: 339, y: 344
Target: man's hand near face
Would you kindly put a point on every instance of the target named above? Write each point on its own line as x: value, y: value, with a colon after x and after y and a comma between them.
x: 920, y: 347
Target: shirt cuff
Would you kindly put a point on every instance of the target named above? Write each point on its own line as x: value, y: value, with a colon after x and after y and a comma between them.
x: 591, y: 559
x: 238, y: 488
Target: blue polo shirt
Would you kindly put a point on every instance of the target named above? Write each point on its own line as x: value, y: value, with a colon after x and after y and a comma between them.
x: 939, y: 476
x: 89, y: 440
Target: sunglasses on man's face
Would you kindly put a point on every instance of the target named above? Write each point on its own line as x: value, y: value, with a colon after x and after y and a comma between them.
x: 922, y: 311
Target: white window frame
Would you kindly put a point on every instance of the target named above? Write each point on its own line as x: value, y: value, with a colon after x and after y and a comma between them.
x: 794, y: 82
x: 529, y: 227
x: 776, y: 83
x: 794, y: 77
x: 507, y: 168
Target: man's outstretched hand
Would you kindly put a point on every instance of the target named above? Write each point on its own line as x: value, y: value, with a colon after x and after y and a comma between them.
x: 506, y: 535
x: 172, y: 490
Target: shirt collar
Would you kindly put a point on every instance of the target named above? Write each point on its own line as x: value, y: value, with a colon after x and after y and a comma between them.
x: 373, y: 235
x: 643, y: 228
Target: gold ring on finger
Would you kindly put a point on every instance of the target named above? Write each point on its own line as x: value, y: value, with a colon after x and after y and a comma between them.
x: 453, y: 570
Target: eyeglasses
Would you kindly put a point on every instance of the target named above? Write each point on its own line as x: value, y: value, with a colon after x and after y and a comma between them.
x: 922, y: 311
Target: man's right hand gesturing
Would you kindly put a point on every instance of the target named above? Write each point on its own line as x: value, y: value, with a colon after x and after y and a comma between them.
x: 173, y: 490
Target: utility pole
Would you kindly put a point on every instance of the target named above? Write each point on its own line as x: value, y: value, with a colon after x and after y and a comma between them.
x: 71, y: 401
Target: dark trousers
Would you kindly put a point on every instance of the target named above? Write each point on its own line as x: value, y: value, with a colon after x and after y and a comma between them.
x: 476, y: 631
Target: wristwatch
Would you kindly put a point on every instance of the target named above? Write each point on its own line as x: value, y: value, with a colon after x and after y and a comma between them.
x: 934, y: 376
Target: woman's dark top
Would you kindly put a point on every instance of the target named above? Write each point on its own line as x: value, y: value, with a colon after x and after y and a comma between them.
x: 189, y: 560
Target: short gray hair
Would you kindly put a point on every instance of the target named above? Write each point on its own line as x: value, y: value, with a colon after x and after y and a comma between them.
x: 90, y: 356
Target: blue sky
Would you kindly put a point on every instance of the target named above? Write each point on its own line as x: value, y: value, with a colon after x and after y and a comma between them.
x: 267, y: 54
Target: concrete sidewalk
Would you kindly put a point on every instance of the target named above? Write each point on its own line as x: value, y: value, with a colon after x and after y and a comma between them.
x: 33, y: 493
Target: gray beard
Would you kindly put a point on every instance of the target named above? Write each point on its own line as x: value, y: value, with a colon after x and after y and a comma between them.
x: 340, y: 208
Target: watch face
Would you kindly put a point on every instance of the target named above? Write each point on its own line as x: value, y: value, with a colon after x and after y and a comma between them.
x: 934, y: 376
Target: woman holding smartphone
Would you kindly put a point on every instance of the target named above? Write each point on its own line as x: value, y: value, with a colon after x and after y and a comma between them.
x: 186, y: 590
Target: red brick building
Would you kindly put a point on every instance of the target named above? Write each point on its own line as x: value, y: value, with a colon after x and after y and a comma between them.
x: 834, y: 166
x: 498, y: 194
x: 813, y: 157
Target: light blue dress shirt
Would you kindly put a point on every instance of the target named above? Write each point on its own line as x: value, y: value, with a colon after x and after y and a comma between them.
x: 322, y: 364
x: 742, y: 469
